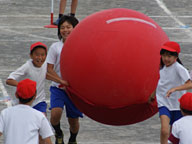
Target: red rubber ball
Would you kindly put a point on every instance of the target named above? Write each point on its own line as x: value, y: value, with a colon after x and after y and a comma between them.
x: 111, y: 61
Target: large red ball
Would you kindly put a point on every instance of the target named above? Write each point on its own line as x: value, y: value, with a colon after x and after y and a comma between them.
x: 111, y: 60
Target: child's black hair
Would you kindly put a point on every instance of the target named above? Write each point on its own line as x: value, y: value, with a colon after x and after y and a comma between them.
x: 187, y: 112
x: 24, y: 101
x: 31, y: 52
x: 163, y: 51
x: 65, y: 18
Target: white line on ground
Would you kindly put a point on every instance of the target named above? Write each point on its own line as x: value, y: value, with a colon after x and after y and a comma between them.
x: 22, y: 27
x: 169, y: 13
x: 24, y: 16
x: 176, y: 28
x: 163, y: 6
x: 21, y: 40
x: 184, y: 16
x: 5, y: 94
x: 30, y: 35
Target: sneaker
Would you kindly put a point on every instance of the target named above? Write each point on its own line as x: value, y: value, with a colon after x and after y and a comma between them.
x: 59, y: 139
x: 56, y: 22
x: 72, y: 142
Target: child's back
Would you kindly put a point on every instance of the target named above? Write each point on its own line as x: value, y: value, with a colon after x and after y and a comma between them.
x: 22, y: 124
x: 182, y: 128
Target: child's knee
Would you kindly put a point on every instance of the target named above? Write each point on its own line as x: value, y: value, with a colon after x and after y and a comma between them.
x: 74, y: 124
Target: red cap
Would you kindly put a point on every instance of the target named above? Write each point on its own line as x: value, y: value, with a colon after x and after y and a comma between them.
x: 26, y: 89
x: 186, y: 101
x: 171, y: 46
x: 38, y: 44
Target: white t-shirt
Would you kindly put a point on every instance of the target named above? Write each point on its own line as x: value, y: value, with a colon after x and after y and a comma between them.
x: 182, y: 130
x: 22, y: 124
x: 170, y: 77
x: 53, y: 57
x: 38, y: 74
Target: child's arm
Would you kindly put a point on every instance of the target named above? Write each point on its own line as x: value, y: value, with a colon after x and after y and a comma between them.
x: 19, y: 73
x: 52, y: 75
x: 48, y: 140
x: 56, y: 79
x: 11, y: 82
x: 152, y: 96
x: 186, y: 86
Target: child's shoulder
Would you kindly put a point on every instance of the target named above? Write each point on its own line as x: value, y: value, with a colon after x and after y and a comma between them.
x: 179, y: 66
x: 25, y: 66
x: 28, y: 63
x: 56, y: 44
x: 184, y: 120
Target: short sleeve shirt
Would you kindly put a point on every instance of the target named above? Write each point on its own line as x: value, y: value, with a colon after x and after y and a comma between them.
x: 182, y: 131
x: 170, y: 77
x: 22, y: 124
x: 38, y: 74
x: 53, y: 57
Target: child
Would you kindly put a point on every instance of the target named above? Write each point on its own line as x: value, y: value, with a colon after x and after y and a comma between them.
x: 173, y: 83
x: 62, y: 7
x: 182, y: 129
x: 36, y: 70
x: 22, y: 124
x: 59, y: 97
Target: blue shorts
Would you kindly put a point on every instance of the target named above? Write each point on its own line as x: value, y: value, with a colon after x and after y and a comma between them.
x: 59, y: 98
x: 42, y: 107
x: 173, y: 115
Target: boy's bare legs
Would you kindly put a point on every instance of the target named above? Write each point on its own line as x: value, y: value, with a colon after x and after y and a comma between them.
x: 62, y: 6
x: 165, y: 129
x: 56, y: 114
x: 74, y: 124
x: 74, y: 128
x: 74, y: 4
x: 63, y: 3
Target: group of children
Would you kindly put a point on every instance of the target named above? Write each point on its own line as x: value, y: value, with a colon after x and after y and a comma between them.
x: 22, y: 124
x: 173, y: 82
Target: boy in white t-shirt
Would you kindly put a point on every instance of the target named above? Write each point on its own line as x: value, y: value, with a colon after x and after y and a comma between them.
x: 59, y: 98
x: 182, y: 128
x: 22, y: 124
x: 36, y: 70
